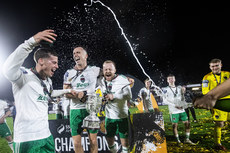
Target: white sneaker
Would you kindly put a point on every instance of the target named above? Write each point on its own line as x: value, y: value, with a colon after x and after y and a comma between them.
x: 187, y: 141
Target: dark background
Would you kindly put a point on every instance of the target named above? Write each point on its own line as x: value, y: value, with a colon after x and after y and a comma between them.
x: 167, y: 36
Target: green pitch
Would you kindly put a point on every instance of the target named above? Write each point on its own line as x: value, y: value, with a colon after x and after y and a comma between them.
x: 201, y: 133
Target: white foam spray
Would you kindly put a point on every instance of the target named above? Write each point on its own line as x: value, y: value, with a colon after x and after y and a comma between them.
x: 123, y: 34
x: 157, y: 89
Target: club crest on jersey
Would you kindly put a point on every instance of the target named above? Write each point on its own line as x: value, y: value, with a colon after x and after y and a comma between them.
x: 110, y: 87
x: 82, y: 78
x: 83, y: 82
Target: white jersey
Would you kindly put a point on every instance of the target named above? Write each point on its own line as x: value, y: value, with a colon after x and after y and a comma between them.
x: 65, y: 106
x: 120, y: 88
x: 147, y: 99
x: 86, y: 81
x: 173, y: 97
x: 3, y: 106
x: 31, y: 102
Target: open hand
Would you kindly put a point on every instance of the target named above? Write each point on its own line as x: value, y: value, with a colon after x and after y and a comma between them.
x: 46, y: 35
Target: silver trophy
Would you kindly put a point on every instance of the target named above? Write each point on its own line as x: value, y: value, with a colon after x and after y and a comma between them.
x: 93, y: 105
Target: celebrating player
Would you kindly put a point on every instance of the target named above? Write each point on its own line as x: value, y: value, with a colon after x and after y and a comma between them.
x: 116, y: 89
x: 174, y: 97
x: 83, y: 79
x: 32, y: 89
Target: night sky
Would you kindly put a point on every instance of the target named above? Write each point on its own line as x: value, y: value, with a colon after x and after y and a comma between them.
x: 167, y: 36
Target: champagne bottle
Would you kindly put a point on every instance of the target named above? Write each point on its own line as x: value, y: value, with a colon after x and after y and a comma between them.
x: 223, y: 104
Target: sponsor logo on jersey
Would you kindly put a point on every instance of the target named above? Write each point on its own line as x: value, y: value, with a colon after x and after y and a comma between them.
x: 42, y: 98
x: 82, y: 85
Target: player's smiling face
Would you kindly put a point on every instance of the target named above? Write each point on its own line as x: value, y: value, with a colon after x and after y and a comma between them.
x: 148, y: 84
x: 109, y: 71
x: 171, y: 80
x: 50, y: 65
x: 79, y: 55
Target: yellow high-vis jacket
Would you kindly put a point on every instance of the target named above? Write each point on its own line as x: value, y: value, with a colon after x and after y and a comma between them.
x: 211, y: 80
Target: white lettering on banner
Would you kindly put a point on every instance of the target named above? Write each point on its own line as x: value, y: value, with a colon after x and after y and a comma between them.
x: 102, y: 143
x: 57, y: 141
x: 67, y: 128
x: 86, y: 143
x: 71, y: 147
x: 66, y: 144
x: 63, y: 144
x: 105, y: 144
x: 99, y: 142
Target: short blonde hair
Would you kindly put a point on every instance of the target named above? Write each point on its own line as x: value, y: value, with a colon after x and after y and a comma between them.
x: 109, y: 61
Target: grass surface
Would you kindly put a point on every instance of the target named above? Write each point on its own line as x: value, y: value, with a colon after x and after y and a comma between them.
x: 201, y: 133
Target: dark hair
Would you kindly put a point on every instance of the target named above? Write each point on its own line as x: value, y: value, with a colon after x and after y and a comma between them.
x: 43, y: 53
x: 215, y: 60
x: 147, y: 80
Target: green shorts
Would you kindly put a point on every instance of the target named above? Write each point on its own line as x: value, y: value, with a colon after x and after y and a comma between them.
x: 76, y: 120
x: 38, y: 146
x: 114, y: 126
x: 175, y: 118
x: 4, y: 130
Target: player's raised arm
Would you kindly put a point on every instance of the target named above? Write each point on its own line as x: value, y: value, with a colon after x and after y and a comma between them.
x: 13, y: 63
